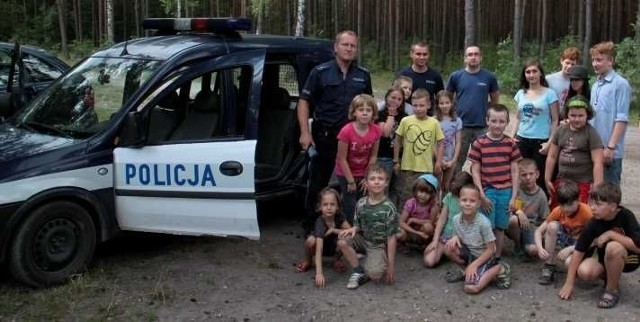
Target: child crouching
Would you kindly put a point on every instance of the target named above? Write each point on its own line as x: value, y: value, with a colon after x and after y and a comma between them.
x: 374, y: 232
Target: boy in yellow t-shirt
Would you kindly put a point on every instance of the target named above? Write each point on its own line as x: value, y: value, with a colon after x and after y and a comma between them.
x: 418, y: 135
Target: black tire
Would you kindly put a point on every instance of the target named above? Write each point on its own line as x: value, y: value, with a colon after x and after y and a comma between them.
x: 54, y: 242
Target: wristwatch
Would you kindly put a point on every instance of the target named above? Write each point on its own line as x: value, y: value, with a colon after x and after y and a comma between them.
x: 611, y: 148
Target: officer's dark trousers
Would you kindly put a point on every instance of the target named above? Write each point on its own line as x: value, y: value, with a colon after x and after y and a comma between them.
x: 320, y: 169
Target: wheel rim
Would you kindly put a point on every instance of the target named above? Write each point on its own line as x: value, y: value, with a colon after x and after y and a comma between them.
x: 56, y: 244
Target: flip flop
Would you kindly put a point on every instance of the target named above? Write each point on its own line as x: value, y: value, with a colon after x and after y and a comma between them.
x: 302, y: 267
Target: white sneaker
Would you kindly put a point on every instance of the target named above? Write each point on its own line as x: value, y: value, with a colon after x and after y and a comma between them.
x: 356, y: 279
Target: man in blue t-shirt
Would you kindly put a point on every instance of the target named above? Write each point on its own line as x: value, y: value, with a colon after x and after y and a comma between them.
x: 472, y: 86
x: 422, y: 75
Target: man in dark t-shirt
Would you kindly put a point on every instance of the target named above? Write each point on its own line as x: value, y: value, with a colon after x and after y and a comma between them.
x: 611, y: 243
x: 422, y: 75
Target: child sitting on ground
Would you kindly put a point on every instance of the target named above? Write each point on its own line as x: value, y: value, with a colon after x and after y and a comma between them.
x: 532, y: 208
x: 473, y: 247
x: 417, y: 221
x: 615, y: 236
x: 561, y: 229
x: 374, y: 232
x: 444, y: 227
x: 324, y: 239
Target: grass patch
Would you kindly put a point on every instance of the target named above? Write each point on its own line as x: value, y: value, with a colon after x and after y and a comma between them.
x: 96, y: 296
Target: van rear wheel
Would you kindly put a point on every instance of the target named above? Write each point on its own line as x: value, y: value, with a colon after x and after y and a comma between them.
x: 54, y: 242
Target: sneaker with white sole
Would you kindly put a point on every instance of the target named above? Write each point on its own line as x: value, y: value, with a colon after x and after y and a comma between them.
x: 356, y: 279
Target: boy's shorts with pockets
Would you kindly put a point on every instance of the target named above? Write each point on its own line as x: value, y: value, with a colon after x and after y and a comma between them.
x: 527, y: 237
x: 564, y: 239
x: 631, y: 263
x: 499, y: 214
x: 467, y: 257
x: 376, y: 261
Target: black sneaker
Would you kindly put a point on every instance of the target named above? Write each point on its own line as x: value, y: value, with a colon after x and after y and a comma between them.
x: 546, y: 278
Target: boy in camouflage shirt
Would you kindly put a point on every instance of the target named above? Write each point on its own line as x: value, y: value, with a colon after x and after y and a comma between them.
x: 375, y: 224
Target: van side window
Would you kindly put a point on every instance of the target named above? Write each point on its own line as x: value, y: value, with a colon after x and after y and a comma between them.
x: 288, y: 79
x: 211, y: 106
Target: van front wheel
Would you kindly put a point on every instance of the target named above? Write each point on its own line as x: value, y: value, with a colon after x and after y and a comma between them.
x: 54, y: 242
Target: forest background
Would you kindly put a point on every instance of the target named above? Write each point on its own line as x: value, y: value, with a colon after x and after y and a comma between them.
x: 509, y: 31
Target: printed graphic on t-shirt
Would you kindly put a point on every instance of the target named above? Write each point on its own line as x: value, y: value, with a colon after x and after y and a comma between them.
x: 359, y: 152
x: 529, y: 111
x: 421, y: 141
x: 566, y: 153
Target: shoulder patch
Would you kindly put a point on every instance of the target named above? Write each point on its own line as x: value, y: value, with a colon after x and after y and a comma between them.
x: 362, y: 69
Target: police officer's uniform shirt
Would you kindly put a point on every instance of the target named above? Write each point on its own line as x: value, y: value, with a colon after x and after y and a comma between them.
x: 330, y: 95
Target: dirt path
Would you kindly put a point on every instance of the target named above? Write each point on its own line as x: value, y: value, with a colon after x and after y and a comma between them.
x: 150, y: 277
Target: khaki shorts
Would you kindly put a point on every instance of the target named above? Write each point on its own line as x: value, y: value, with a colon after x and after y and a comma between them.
x: 376, y: 261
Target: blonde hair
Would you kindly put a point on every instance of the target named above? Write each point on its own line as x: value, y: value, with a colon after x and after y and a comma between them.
x: 363, y: 100
x: 605, y: 48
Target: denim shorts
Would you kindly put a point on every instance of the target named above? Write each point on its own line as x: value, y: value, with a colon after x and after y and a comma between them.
x: 468, y: 258
x: 499, y: 214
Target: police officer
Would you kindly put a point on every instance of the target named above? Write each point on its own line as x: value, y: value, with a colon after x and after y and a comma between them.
x: 327, y: 93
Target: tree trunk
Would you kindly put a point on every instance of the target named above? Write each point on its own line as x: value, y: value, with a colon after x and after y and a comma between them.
x: 581, y: 8
x: 359, y: 30
x: 110, y: 39
x: 443, y: 36
x: 587, y: 32
x: 543, y: 25
x: 636, y: 27
x: 396, y: 36
x: 300, y: 19
x: 469, y: 24
x: 63, y: 28
x: 517, y: 30
x: 260, y: 14
x: 178, y: 8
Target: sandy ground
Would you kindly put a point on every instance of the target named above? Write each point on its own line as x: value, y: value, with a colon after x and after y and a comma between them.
x: 149, y: 277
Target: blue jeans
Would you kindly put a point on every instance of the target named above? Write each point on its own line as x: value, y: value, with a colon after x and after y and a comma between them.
x: 349, y: 199
x: 613, y: 171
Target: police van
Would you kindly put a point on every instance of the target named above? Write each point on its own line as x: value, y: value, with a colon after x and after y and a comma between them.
x: 178, y: 133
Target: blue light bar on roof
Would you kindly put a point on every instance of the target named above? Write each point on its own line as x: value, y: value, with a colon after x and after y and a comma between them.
x: 215, y: 25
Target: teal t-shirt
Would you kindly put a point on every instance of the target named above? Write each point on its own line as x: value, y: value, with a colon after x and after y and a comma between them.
x: 451, y: 203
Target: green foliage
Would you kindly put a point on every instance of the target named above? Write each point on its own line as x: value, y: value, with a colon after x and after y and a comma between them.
x: 43, y: 30
x: 628, y: 64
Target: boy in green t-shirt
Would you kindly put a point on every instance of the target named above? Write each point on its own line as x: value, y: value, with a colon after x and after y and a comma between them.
x: 374, y: 228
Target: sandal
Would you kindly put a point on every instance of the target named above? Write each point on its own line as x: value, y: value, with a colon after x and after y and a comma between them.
x: 454, y: 277
x: 302, y: 267
x: 338, y: 266
x: 609, y: 299
x: 503, y: 280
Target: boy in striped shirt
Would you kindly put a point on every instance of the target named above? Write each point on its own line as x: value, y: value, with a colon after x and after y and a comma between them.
x: 494, y: 160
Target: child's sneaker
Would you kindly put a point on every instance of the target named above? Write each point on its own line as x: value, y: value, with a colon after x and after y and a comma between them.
x: 503, y: 280
x: 548, y: 271
x: 356, y: 279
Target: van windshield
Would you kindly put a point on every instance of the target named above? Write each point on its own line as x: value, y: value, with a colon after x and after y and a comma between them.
x: 83, y: 101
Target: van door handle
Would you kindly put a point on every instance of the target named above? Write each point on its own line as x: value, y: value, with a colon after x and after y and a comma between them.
x: 231, y: 168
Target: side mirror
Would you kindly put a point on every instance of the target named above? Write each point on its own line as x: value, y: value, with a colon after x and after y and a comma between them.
x: 133, y: 132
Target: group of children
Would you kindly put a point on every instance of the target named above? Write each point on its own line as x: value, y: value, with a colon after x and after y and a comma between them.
x: 398, y: 150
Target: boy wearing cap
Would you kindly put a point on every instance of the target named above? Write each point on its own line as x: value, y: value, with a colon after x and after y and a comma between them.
x: 577, y: 148
x: 418, y: 218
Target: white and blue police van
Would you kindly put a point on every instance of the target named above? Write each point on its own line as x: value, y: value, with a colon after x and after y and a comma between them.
x: 181, y: 133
